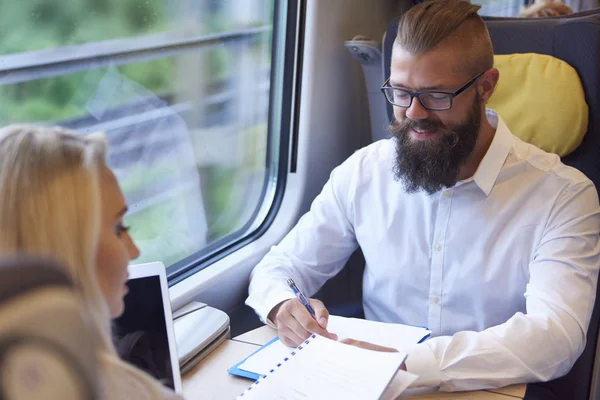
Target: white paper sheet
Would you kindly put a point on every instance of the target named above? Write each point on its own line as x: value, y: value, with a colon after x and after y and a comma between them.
x: 326, y: 369
x: 390, y: 335
x: 396, y: 336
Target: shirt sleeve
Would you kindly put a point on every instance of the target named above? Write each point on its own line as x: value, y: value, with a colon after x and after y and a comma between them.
x: 314, y: 251
x: 544, y: 343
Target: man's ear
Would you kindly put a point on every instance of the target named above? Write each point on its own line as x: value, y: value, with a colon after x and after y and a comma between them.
x: 488, y: 84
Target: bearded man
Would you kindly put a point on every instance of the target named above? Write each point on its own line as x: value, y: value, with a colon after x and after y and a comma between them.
x: 490, y: 242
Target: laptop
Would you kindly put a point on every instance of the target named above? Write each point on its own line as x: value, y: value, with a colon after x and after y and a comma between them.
x: 144, y: 334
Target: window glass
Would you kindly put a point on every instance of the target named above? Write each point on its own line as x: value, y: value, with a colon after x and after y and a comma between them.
x: 41, y: 24
x: 179, y: 87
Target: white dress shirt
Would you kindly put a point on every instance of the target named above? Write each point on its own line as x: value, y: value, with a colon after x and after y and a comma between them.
x: 502, y: 267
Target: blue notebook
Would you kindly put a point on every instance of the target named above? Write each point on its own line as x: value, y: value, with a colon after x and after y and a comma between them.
x: 246, y: 374
x: 390, y: 335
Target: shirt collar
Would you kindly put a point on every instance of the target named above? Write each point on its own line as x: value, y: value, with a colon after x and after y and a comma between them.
x: 489, y: 168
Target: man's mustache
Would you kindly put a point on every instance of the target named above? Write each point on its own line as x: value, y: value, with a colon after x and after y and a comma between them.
x: 421, y: 125
x: 402, y: 128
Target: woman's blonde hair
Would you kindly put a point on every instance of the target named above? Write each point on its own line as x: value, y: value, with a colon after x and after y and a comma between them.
x: 51, y: 207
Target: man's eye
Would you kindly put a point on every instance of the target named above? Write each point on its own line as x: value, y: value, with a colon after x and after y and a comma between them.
x: 438, y: 96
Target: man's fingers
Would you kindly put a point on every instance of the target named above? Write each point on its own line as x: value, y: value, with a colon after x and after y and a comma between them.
x: 322, y: 318
x: 290, y: 341
x: 307, y: 321
x: 311, y: 325
x: 321, y: 313
x: 290, y: 323
x: 295, y: 322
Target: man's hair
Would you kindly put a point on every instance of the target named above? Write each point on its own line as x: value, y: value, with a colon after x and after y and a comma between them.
x: 426, y: 25
x: 546, y: 9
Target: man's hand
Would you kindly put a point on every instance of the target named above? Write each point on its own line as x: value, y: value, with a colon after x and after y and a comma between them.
x: 371, y: 346
x: 294, y: 322
x: 368, y: 346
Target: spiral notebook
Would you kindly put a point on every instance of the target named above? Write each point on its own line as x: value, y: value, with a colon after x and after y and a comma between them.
x: 397, y: 336
x: 324, y: 368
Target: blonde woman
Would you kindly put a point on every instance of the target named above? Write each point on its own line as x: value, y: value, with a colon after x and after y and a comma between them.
x: 60, y: 200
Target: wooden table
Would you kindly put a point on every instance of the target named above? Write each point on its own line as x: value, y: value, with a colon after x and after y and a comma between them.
x: 210, y: 380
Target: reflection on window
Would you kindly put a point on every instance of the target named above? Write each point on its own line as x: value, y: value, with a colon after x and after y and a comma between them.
x: 500, y: 8
x: 181, y: 89
x: 42, y: 24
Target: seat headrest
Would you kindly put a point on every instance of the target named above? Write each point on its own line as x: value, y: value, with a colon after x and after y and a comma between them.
x: 46, y: 350
x: 541, y: 98
x: 23, y: 273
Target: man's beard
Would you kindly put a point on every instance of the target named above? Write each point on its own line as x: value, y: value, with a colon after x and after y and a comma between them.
x: 433, y: 163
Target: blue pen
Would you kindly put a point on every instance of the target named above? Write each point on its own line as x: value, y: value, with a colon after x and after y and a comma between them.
x: 301, y: 297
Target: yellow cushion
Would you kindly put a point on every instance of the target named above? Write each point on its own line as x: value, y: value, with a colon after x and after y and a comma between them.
x: 541, y: 100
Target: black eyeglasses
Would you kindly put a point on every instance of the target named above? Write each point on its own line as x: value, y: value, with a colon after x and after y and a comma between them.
x: 430, y: 99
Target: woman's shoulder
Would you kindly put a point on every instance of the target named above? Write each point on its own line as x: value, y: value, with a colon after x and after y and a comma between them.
x: 121, y: 381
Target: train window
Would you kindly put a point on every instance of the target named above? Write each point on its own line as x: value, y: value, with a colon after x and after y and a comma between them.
x: 500, y: 8
x: 182, y: 90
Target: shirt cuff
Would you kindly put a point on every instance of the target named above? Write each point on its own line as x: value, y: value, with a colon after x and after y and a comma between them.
x: 270, y: 323
x: 422, y: 362
x: 264, y: 310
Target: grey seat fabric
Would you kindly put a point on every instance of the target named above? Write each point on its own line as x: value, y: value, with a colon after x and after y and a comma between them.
x: 45, y: 347
x: 576, y: 40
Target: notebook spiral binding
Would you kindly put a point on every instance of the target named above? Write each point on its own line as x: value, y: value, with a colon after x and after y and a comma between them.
x: 293, y: 353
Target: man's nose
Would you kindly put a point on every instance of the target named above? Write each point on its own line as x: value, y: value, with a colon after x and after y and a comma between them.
x: 416, y: 111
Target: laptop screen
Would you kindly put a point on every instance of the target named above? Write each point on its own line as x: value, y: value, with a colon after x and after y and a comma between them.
x: 140, y: 334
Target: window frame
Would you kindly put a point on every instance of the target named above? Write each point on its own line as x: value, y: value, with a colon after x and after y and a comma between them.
x: 19, y: 67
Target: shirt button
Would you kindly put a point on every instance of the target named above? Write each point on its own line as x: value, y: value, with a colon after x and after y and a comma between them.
x: 447, y: 194
x: 435, y: 300
x: 437, y: 247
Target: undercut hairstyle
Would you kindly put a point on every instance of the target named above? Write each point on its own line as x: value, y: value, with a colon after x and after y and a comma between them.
x: 428, y: 24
